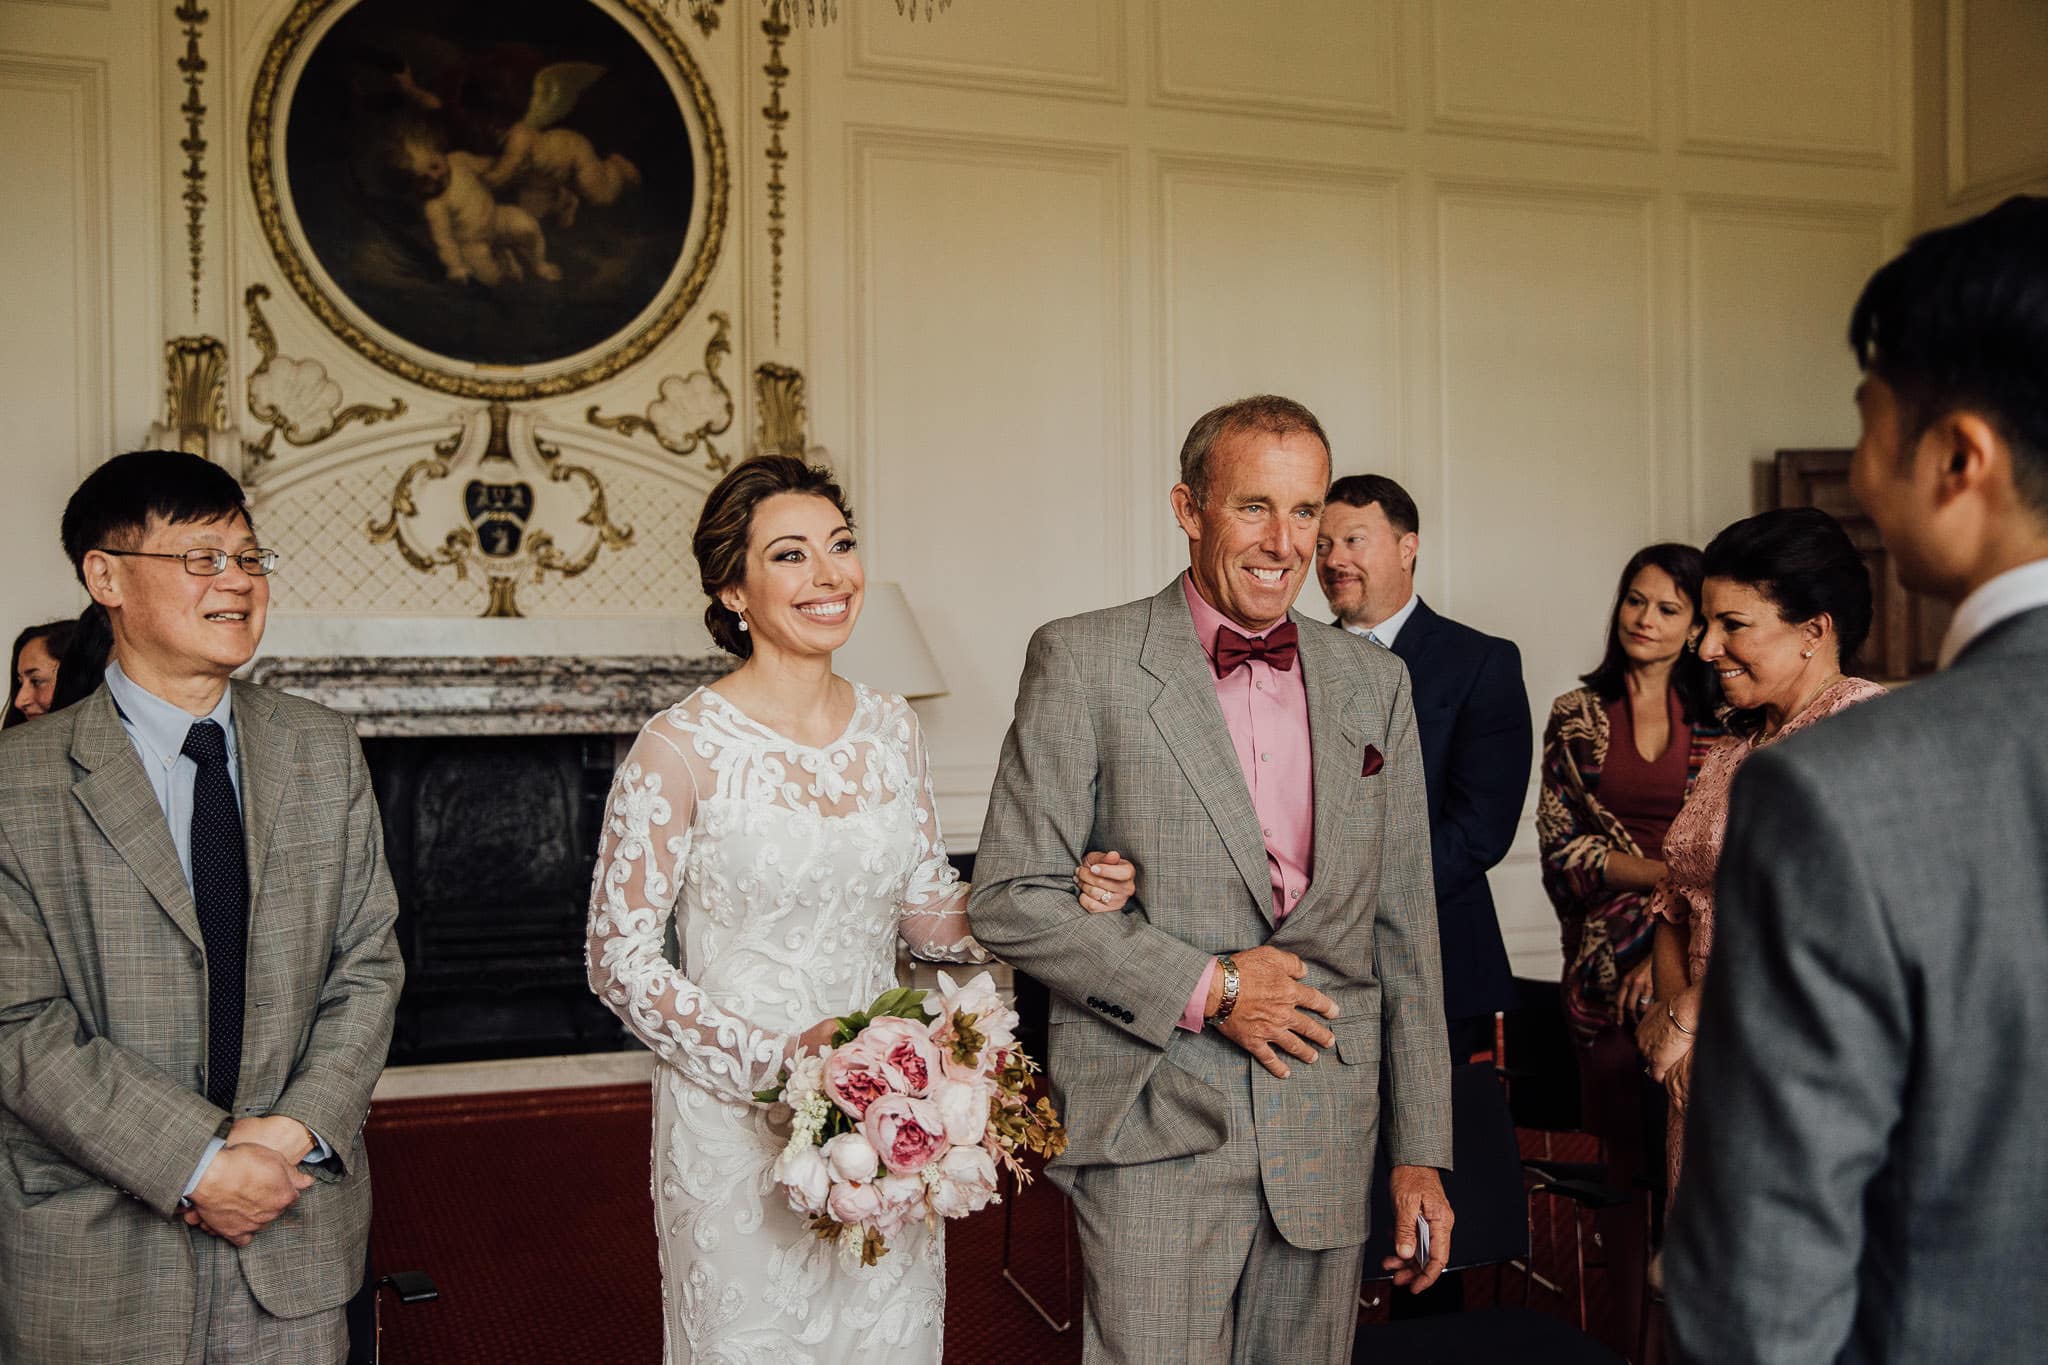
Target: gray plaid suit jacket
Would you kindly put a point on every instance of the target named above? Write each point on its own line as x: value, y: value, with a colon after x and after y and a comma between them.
x: 103, y: 1112
x: 1119, y: 743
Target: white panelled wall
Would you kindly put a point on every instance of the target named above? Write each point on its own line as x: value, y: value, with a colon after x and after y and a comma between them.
x: 1571, y: 272
x: 1569, y: 269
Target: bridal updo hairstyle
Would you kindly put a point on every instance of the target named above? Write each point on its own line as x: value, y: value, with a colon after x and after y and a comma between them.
x: 1804, y: 562
x: 720, y: 544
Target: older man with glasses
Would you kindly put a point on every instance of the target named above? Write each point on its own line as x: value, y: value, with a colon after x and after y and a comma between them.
x: 197, y: 967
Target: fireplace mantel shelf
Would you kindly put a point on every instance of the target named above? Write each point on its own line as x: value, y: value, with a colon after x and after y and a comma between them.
x: 405, y: 696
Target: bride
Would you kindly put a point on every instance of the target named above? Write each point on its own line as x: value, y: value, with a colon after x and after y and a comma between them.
x: 777, y: 829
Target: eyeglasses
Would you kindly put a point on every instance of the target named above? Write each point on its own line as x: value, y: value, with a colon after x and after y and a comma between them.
x: 210, y: 563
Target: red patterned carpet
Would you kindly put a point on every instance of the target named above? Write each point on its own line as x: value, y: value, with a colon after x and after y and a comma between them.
x: 531, y: 1213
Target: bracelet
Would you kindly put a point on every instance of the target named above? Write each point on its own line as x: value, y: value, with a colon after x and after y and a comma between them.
x: 1672, y: 1015
x: 1228, y: 965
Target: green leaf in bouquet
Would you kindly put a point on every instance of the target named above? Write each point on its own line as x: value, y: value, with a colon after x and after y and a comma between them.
x: 768, y: 1096
x: 904, y: 1002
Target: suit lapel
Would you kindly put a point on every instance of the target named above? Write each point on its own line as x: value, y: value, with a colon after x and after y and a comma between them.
x: 116, y: 792
x: 1339, y: 753
x: 1416, y: 637
x: 265, y: 748
x: 1191, y: 724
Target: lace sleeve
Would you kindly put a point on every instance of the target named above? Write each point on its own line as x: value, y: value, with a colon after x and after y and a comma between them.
x: 934, y: 919
x: 640, y: 857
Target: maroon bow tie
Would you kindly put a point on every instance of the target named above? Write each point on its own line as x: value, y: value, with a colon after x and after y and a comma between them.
x: 1277, y: 647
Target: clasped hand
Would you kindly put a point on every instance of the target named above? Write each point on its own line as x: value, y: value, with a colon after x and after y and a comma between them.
x: 1275, y: 1013
x: 253, y: 1179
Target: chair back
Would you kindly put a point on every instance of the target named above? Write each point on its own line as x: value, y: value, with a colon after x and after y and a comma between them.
x: 1484, y: 1186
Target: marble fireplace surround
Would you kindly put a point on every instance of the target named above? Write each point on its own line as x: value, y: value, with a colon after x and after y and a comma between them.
x: 410, y: 677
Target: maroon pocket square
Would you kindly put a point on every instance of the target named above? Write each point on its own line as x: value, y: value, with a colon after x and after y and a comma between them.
x: 1373, y: 762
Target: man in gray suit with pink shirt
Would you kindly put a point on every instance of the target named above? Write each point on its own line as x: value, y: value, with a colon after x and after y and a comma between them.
x: 1217, y: 1048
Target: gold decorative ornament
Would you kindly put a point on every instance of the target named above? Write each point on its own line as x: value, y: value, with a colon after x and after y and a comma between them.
x: 688, y: 410
x: 816, y: 12
x: 496, y: 520
x: 196, y: 390
x: 302, y: 29
x: 777, y: 115
x: 779, y: 411
x: 192, y: 66
x: 295, y: 397
x: 704, y: 14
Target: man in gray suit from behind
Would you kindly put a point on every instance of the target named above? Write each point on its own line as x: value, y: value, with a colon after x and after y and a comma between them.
x: 1864, y: 1174
x: 1217, y: 1047
x: 197, y: 967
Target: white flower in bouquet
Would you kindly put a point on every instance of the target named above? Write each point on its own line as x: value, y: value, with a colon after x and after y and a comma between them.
x: 903, y: 1203
x: 963, y: 1105
x: 994, y: 1020
x: 806, y: 1077
x: 852, y: 1202
x: 961, y: 1181
x: 850, y: 1157
x: 801, y: 1171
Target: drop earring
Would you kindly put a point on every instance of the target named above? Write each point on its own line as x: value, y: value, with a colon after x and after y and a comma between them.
x: 743, y: 621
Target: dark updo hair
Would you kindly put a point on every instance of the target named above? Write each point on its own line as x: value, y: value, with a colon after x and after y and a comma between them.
x: 1689, y: 677
x: 1804, y: 562
x: 56, y: 638
x: 720, y: 543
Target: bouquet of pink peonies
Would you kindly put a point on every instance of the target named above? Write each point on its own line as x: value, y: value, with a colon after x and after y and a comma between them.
x: 909, y: 1116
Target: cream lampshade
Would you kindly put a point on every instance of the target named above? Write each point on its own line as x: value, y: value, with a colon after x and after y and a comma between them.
x: 887, y: 651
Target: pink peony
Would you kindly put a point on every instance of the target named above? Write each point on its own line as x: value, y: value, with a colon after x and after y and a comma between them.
x: 907, y: 1047
x: 852, y: 1203
x: 964, y: 1180
x: 855, y: 1077
x: 903, y: 1203
x: 906, y: 1133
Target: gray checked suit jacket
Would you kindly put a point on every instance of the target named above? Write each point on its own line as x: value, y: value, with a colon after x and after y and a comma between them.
x: 1119, y: 743
x: 1864, y: 1179
x: 103, y: 1113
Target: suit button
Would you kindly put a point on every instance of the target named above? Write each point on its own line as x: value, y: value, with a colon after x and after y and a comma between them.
x: 198, y: 960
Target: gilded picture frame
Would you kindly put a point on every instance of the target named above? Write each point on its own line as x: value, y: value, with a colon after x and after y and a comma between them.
x: 506, y: 202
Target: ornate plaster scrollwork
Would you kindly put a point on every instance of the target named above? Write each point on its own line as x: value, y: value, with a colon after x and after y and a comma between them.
x: 688, y: 410
x: 776, y: 28
x: 295, y: 397
x: 493, y: 498
x: 779, y: 410
x: 704, y: 14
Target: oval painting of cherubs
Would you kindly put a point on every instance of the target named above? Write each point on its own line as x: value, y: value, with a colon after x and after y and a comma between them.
x: 513, y: 199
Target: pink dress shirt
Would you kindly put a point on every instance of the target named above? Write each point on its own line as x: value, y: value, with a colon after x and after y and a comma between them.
x: 1266, y: 711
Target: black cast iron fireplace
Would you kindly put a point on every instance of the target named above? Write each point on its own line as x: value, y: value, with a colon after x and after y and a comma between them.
x: 491, y: 843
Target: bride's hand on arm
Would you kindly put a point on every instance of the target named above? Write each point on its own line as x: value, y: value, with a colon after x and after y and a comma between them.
x: 818, y: 1036
x: 1104, y: 881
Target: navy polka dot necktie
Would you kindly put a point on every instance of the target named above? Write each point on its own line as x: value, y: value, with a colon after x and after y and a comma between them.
x: 220, y: 890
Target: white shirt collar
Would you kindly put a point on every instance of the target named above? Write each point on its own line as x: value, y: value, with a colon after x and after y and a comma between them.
x: 1386, y: 631
x: 1998, y: 599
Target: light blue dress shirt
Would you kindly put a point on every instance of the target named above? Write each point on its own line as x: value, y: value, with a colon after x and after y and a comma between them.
x: 1385, y: 633
x: 157, y: 729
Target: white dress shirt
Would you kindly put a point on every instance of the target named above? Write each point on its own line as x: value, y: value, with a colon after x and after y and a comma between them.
x: 1385, y: 632
x: 1997, y: 599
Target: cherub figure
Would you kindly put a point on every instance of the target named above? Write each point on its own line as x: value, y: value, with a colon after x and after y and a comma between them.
x: 476, y: 237
x: 553, y: 171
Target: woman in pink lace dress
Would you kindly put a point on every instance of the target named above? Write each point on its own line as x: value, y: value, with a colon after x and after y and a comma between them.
x: 1788, y: 604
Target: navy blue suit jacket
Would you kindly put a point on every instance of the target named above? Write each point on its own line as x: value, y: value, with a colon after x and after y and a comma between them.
x: 1472, y: 715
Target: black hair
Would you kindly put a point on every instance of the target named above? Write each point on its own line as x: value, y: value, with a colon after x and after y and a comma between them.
x: 83, y: 665
x: 1960, y: 320
x: 56, y: 638
x: 112, y: 509
x: 1363, y: 490
x: 1804, y: 562
x: 1692, y: 679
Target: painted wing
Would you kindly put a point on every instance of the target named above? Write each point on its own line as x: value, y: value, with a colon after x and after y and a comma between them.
x: 555, y: 91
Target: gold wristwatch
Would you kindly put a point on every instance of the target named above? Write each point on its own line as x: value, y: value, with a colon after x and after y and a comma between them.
x: 1228, y: 966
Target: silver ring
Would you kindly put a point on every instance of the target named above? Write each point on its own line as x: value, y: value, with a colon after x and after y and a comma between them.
x: 1642, y: 1000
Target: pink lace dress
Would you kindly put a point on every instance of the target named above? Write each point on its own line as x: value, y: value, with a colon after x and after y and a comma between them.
x: 1692, y: 852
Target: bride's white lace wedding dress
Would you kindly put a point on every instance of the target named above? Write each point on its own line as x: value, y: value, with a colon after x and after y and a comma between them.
x: 784, y: 876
